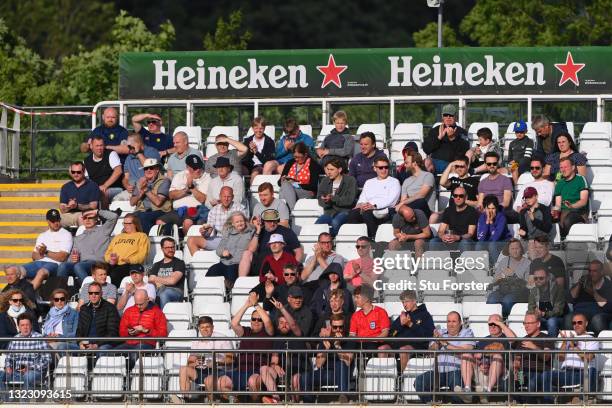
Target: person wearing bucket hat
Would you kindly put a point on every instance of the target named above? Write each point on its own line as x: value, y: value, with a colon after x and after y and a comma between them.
x: 534, y: 218
x: 261, y: 148
x: 151, y: 197
x: 235, y: 155
x: 188, y: 192
x: 225, y: 178
x: 258, y: 248
x: 51, y: 249
x: 447, y: 141
x: 519, y: 150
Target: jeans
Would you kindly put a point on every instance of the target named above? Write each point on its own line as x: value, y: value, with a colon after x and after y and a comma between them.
x: 332, y: 373
x: 31, y: 379
x: 551, y: 325
x: 535, y: 383
x: 229, y: 272
x: 425, y: 383
x: 492, y: 247
x: 507, y: 301
x: 335, y: 221
x: 169, y: 294
x: 148, y: 218
x: 556, y: 380
x: 33, y: 267
x: 439, y: 165
x: 79, y: 270
x: 436, y: 244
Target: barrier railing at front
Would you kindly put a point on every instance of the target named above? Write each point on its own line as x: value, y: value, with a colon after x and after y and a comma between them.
x: 293, y: 370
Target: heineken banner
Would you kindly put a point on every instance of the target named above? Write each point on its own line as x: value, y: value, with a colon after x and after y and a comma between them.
x: 365, y: 72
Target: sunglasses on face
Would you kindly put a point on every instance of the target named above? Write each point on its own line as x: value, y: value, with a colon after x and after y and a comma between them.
x: 458, y: 195
x: 448, y: 115
x: 361, y: 246
x: 153, y: 122
x: 91, y: 218
x: 290, y: 274
x: 577, y: 322
x: 492, y: 325
x: 256, y: 319
x: 491, y: 164
x: 334, y: 327
x: 535, y: 168
x: 59, y: 299
x: 19, y: 300
x: 76, y: 172
x: 459, y: 166
x: 382, y: 167
x: 94, y: 293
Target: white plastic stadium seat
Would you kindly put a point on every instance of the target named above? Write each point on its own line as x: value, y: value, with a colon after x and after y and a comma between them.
x: 174, y: 361
x: 269, y: 131
x: 148, y: 372
x: 194, y: 133
x: 109, y: 376
x: 384, y: 233
x: 347, y: 250
x: 265, y: 178
x: 229, y: 131
x: 305, y: 212
x: 582, y: 233
x: 408, y: 131
x: 379, y: 130
x: 416, y: 366
x: 479, y: 312
x: 380, y: 377
x: 605, y: 365
x: 310, y: 233
x: 71, y: 370
x: 178, y: 314
x: 219, y: 312
x: 476, y: 126
x: 210, y: 288
x: 439, y: 310
x: 351, y: 232
x: 200, y: 262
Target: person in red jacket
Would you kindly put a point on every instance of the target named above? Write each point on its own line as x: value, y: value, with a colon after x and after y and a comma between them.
x: 273, y: 264
x: 144, y: 319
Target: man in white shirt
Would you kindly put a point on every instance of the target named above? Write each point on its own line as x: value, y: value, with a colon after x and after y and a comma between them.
x: 545, y: 188
x: 226, y: 178
x: 127, y: 289
x: 572, y: 368
x: 377, y: 199
x: 199, y: 366
x: 188, y: 192
x: 52, y: 248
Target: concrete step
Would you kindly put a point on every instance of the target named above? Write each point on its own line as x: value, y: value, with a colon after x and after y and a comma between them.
x: 40, y: 188
x: 15, y: 254
x: 22, y: 227
x: 34, y: 202
x: 21, y: 214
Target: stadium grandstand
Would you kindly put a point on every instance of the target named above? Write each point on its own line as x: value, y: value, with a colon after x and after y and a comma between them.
x: 454, y: 251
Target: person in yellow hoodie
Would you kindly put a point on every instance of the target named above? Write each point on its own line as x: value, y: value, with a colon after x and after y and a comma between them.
x: 126, y: 249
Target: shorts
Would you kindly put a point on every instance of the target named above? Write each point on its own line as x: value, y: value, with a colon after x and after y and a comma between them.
x: 372, y: 345
x: 202, y: 373
x: 33, y: 267
x: 213, y: 243
x: 240, y: 379
x: 70, y: 219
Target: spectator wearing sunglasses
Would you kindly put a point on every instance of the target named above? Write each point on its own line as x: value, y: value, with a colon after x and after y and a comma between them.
x: 97, y: 318
x: 456, y: 175
x: 360, y: 270
x: 544, y: 187
x: 378, y: 198
x: 14, y: 303
x: 547, y: 301
x: 458, y: 225
x: 78, y: 195
x: 495, y: 183
x: 575, y: 358
x: 61, y: 321
x: 446, y: 142
x: 279, y: 291
x: 152, y: 134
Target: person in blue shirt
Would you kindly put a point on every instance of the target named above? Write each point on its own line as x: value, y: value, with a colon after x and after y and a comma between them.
x: 152, y: 134
x: 284, y: 148
x: 114, y: 135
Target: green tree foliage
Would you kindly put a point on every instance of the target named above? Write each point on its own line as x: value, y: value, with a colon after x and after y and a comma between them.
x: 228, y: 35
x: 428, y: 37
x: 55, y: 28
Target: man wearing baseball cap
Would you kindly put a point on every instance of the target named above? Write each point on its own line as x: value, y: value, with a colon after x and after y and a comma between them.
x: 129, y: 286
x: 534, y: 218
x: 447, y: 141
x: 520, y: 150
x: 151, y: 197
x: 188, y: 192
x: 222, y: 143
x: 52, y: 248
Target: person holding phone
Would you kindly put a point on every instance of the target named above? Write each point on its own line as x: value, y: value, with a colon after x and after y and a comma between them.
x: 571, y: 197
x: 300, y: 176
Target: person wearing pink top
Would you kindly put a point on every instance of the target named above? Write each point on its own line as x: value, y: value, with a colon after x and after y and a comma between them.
x: 360, y: 270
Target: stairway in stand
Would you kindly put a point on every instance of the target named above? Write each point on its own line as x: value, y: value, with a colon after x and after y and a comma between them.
x: 22, y: 217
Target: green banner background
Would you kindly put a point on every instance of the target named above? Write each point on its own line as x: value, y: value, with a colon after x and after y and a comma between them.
x: 368, y: 72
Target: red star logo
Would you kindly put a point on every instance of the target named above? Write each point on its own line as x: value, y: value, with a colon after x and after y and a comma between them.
x: 331, y: 72
x: 569, y: 70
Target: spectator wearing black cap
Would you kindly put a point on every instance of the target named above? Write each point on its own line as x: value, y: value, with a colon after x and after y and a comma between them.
x: 188, y: 192
x: 274, y: 290
x: 151, y: 197
x: 534, y: 218
x: 447, y: 141
x: 225, y: 178
x: 52, y: 248
x: 295, y: 306
x: 152, y: 134
x: 130, y: 285
x: 258, y: 247
x: 222, y: 143
x: 361, y: 165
